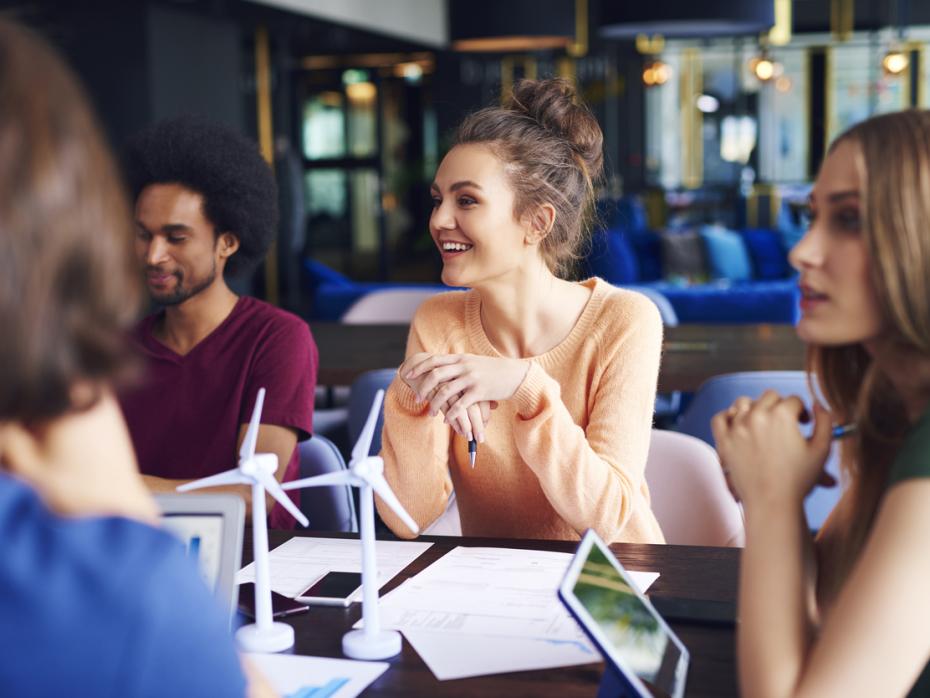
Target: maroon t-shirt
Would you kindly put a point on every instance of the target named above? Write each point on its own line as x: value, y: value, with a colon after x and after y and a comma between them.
x: 184, y: 417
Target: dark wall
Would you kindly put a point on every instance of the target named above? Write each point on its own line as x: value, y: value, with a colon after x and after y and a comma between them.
x: 194, y: 65
x: 144, y: 61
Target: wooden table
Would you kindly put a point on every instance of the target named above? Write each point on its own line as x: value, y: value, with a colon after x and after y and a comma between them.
x: 691, y: 353
x: 686, y: 571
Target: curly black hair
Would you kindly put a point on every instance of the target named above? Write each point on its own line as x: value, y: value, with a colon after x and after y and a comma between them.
x: 225, y: 168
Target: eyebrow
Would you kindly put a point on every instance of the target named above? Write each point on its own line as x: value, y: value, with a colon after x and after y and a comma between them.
x: 458, y: 185
x: 838, y: 196
x: 168, y: 228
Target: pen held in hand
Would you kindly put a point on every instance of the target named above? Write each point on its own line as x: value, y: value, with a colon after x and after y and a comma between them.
x: 841, y: 431
x: 472, y: 451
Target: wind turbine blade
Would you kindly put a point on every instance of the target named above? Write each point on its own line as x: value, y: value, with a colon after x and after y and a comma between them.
x: 247, y: 450
x: 363, y: 445
x: 274, y: 489
x: 230, y: 477
x: 383, y: 490
x: 340, y: 477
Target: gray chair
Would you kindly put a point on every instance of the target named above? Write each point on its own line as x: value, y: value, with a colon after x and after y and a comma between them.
x: 719, y: 392
x: 327, y: 508
x: 363, y: 392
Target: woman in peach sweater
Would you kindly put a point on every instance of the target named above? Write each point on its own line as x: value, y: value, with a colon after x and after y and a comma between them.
x: 569, y: 369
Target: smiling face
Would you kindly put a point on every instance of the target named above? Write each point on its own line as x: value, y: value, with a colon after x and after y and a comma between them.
x: 839, y: 304
x: 176, y: 244
x: 473, y: 222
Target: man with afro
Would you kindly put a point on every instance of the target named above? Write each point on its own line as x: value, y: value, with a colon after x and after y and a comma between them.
x: 205, y: 210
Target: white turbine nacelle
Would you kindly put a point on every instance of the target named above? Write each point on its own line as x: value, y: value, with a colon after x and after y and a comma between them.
x: 265, y: 462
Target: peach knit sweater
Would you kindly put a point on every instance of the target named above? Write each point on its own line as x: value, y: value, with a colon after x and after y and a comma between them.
x: 566, y: 453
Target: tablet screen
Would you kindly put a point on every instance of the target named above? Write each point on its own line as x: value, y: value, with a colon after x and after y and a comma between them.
x: 202, y: 535
x: 621, y: 622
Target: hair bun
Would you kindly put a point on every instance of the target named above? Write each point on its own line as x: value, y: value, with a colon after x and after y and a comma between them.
x: 551, y: 103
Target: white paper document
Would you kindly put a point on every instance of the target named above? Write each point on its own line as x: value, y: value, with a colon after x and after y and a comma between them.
x: 293, y: 676
x: 479, y: 611
x: 299, y: 562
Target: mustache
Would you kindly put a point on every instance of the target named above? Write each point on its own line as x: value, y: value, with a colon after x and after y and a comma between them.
x: 158, y: 270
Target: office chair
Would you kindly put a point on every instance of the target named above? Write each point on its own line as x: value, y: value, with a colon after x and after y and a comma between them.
x: 390, y: 305
x: 689, y: 494
x: 719, y: 392
x: 360, y: 397
x: 448, y: 523
x: 328, y: 508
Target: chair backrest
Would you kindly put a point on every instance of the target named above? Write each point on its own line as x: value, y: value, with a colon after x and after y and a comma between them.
x: 390, y: 305
x: 360, y: 397
x: 719, y: 392
x: 448, y: 523
x: 328, y: 508
x: 689, y: 494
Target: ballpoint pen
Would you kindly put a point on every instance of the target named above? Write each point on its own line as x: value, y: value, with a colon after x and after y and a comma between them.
x: 842, y: 430
x: 472, y: 451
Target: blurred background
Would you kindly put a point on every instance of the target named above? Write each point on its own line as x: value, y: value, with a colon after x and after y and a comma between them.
x: 715, y: 114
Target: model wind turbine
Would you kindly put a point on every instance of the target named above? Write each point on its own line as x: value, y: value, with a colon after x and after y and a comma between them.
x: 257, y: 470
x: 366, y: 472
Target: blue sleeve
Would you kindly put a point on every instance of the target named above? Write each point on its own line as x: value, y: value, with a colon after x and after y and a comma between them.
x: 104, y: 607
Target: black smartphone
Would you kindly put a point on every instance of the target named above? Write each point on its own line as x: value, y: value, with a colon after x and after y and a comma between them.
x: 281, y: 605
x: 672, y: 608
x: 332, y: 589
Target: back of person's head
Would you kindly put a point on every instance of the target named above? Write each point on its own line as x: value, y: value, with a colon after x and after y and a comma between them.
x: 552, y: 149
x: 892, y: 154
x: 68, y: 282
x: 220, y: 164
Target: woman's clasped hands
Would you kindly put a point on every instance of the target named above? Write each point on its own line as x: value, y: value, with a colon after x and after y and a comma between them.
x: 763, y: 453
x: 463, y: 387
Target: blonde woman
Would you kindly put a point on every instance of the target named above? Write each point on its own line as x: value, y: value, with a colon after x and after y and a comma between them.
x: 572, y: 367
x: 847, y: 614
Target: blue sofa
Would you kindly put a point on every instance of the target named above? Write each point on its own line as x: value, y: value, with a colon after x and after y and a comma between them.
x: 743, y: 277
x: 717, y: 302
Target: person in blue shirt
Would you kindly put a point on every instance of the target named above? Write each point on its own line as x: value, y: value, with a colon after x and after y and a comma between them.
x: 95, y: 600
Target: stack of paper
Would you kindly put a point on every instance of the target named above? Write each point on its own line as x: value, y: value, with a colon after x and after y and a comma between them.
x: 299, y: 562
x: 316, y: 677
x: 480, y: 611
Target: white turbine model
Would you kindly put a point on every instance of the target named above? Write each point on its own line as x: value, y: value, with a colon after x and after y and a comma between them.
x: 366, y: 472
x: 257, y: 470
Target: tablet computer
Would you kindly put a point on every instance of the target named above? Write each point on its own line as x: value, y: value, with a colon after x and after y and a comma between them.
x: 644, y: 653
x: 211, y: 528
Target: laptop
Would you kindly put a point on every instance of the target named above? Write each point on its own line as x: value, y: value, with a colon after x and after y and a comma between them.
x: 644, y: 657
x: 211, y: 528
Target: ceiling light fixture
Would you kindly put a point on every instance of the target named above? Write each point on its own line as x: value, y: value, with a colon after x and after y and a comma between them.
x: 656, y: 73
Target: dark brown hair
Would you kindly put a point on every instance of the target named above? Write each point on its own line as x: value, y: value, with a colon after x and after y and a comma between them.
x: 68, y: 285
x: 552, y: 150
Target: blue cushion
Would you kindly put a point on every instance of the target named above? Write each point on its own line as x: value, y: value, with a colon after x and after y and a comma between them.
x: 767, y: 253
x: 791, y: 224
x: 729, y: 303
x: 318, y: 273
x: 631, y: 214
x: 647, y: 246
x: 726, y: 254
x: 612, y: 258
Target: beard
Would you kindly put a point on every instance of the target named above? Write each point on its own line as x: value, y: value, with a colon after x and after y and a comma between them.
x: 183, y: 292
